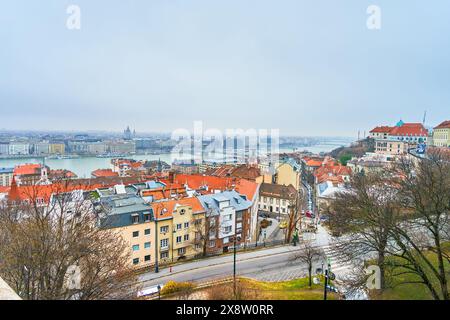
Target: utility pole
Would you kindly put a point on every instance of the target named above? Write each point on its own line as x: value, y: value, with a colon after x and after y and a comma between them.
x: 325, y: 286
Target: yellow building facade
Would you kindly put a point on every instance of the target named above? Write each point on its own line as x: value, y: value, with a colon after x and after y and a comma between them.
x: 441, y: 135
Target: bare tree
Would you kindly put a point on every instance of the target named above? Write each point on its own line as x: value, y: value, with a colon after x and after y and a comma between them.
x: 52, y: 248
x: 294, y: 217
x: 424, y: 186
x: 308, y: 255
x: 203, y: 226
x: 365, y: 213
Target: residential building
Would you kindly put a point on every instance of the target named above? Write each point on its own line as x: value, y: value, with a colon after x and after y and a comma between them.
x: 6, y: 175
x: 288, y: 173
x: 370, y: 163
x: 29, y: 174
x: 185, y: 212
x: 228, y: 214
x: 276, y: 198
x: 441, y: 134
x: 132, y: 219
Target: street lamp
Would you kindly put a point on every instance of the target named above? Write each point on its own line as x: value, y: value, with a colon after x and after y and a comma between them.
x: 159, y: 292
x: 234, y: 264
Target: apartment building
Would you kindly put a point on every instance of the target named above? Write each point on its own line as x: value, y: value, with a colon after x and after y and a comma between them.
x: 131, y: 218
x: 178, y: 228
x: 276, y: 198
x: 6, y: 176
x: 229, y: 217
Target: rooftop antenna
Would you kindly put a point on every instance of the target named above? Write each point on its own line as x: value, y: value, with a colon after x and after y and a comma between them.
x: 424, y: 117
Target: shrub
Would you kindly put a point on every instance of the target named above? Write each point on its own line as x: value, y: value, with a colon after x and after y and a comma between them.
x: 173, y: 287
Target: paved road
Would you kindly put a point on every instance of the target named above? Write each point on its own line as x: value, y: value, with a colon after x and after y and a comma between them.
x: 273, y: 264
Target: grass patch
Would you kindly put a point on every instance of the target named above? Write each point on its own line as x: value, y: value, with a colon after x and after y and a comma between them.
x: 297, y: 289
x: 401, y: 290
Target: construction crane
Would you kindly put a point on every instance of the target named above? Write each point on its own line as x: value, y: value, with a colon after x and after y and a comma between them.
x: 424, y: 117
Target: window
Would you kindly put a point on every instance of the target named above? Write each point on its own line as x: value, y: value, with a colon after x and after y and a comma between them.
x: 181, y: 251
x: 179, y: 226
x: 212, y: 243
x: 164, y: 255
x: 228, y: 229
x: 135, y: 247
x: 147, y: 245
x: 146, y: 217
x: 135, y: 234
x: 186, y: 237
x: 198, y: 246
x: 226, y: 240
x: 135, y: 218
x: 186, y: 225
x: 164, y: 243
x: 147, y: 258
x: 147, y: 232
x: 164, y: 229
x: 135, y: 261
x: 179, y: 239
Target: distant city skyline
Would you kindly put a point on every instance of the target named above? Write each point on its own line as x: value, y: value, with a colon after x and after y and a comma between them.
x: 306, y: 68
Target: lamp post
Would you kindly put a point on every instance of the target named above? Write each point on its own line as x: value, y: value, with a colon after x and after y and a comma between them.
x: 159, y: 292
x: 234, y: 264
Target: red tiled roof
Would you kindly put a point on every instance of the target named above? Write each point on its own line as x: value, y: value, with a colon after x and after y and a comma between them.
x: 44, y: 192
x: 332, y: 173
x: 25, y: 169
x: 443, y: 125
x: 104, y: 173
x: 409, y: 129
x: 165, y: 209
x: 197, y: 181
x: 382, y: 129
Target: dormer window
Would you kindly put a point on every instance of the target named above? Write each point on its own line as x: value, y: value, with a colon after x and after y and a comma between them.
x: 135, y: 218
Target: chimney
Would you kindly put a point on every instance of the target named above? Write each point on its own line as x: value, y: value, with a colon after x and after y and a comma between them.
x: 171, y: 176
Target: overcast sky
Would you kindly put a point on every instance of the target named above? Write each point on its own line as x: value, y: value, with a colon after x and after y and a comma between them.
x: 305, y: 67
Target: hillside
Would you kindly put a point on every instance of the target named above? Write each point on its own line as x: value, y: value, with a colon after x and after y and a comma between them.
x: 357, y: 149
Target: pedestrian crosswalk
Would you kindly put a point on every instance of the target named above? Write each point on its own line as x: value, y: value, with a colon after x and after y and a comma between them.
x: 340, y: 265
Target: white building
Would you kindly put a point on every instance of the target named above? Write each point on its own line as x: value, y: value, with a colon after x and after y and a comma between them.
x: 19, y: 148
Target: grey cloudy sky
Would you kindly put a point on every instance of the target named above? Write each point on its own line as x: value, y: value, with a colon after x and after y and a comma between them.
x: 305, y: 67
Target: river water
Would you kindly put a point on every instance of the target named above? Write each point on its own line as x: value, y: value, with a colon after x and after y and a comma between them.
x: 83, y: 166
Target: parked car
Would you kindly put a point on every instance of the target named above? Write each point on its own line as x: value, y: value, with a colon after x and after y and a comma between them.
x: 283, y: 225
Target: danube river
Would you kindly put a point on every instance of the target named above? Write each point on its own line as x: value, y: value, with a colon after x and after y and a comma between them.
x: 83, y: 166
